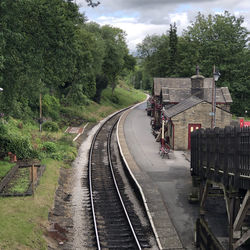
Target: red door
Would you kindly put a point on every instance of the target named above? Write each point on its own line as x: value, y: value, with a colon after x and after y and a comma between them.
x: 191, y: 128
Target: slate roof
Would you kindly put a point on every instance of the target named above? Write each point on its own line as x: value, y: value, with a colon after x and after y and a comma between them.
x: 182, y: 106
x: 170, y: 82
x: 175, y: 90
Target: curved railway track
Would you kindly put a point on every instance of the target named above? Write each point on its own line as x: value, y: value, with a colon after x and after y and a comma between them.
x: 116, y: 224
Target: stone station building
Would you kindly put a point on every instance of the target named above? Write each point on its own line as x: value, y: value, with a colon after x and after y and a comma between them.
x: 186, y: 104
x: 188, y: 115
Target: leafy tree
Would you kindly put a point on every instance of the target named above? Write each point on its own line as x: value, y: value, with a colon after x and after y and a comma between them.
x: 154, y: 51
x: 129, y: 62
x: 37, y: 51
x: 47, y: 47
x: 218, y: 39
x: 115, y: 52
x: 173, y: 40
x: 222, y: 40
x: 101, y: 84
x: 110, y: 56
x: 21, y: 61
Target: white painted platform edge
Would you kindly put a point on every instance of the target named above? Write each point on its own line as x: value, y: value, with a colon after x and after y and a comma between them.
x: 81, y: 132
x: 136, y: 182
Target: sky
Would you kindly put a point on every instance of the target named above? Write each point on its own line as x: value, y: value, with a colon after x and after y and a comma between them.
x: 139, y: 18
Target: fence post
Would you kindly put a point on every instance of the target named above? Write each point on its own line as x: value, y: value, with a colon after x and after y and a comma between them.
x: 201, y: 137
x: 216, y: 154
x: 237, y: 152
x: 197, y: 243
x: 32, y: 178
x: 209, y: 241
x: 227, y: 131
x: 192, y: 151
x: 208, y: 139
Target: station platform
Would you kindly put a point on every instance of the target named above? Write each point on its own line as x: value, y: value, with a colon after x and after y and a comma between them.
x: 164, y: 183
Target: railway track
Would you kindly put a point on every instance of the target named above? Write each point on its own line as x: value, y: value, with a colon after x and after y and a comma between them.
x: 116, y: 224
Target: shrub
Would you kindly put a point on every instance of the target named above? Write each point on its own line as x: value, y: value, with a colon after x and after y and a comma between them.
x: 67, y: 139
x: 21, y: 109
x: 76, y: 96
x: 20, y: 146
x: 50, y: 126
x: 3, y: 128
x: 115, y: 99
x: 72, y: 115
x: 51, y: 106
x: 56, y: 156
x: 49, y: 147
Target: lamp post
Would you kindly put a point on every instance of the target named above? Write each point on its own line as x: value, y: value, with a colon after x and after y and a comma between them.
x: 216, y: 76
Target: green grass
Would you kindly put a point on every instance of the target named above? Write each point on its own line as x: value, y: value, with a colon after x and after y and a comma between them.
x: 123, y: 96
x: 23, y: 219
x: 5, y: 168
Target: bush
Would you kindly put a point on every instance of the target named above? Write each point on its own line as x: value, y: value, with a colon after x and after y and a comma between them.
x: 72, y: 115
x: 51, y: 106
x: 67, y: 139
x: 21, y: 109
x: 49, y: 147
x: 3, y: 129
x: 50, y: 126
x: 20, y: 146
x: 76, y: 96
x: 115, y: 99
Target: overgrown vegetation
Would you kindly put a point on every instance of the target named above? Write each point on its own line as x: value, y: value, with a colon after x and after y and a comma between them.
x: 21, y: 183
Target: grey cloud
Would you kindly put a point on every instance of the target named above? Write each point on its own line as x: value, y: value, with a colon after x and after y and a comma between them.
x: 157, y: 12
x: 138, y: 4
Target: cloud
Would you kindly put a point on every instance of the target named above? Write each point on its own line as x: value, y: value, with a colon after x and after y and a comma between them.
x: 140, y: 18
x: 135, y: 30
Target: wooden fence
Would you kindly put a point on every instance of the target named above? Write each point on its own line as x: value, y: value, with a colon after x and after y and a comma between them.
x: 205, y: 239
x: 222, y: 155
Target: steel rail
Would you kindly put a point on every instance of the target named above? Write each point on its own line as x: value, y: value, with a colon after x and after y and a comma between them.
x: 90, y: 177
x: 91, y: 189
x: 116, y: 186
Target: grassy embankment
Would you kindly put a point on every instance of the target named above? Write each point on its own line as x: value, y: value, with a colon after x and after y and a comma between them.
x: 24, y: 220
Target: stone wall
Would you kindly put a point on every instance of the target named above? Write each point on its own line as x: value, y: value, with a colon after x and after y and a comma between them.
x: 198, y: 114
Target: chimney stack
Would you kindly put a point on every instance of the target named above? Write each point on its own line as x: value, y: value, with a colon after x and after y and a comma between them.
x: 197, y: 85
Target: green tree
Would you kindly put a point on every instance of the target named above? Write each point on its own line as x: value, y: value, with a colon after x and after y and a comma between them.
x: 37, y: 53
x: 115, y: 52
x: 173, y: 41
x: 154, y: 52
x: 222, y: 40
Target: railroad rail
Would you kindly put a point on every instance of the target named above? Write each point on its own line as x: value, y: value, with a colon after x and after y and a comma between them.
x: 115, y: 226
